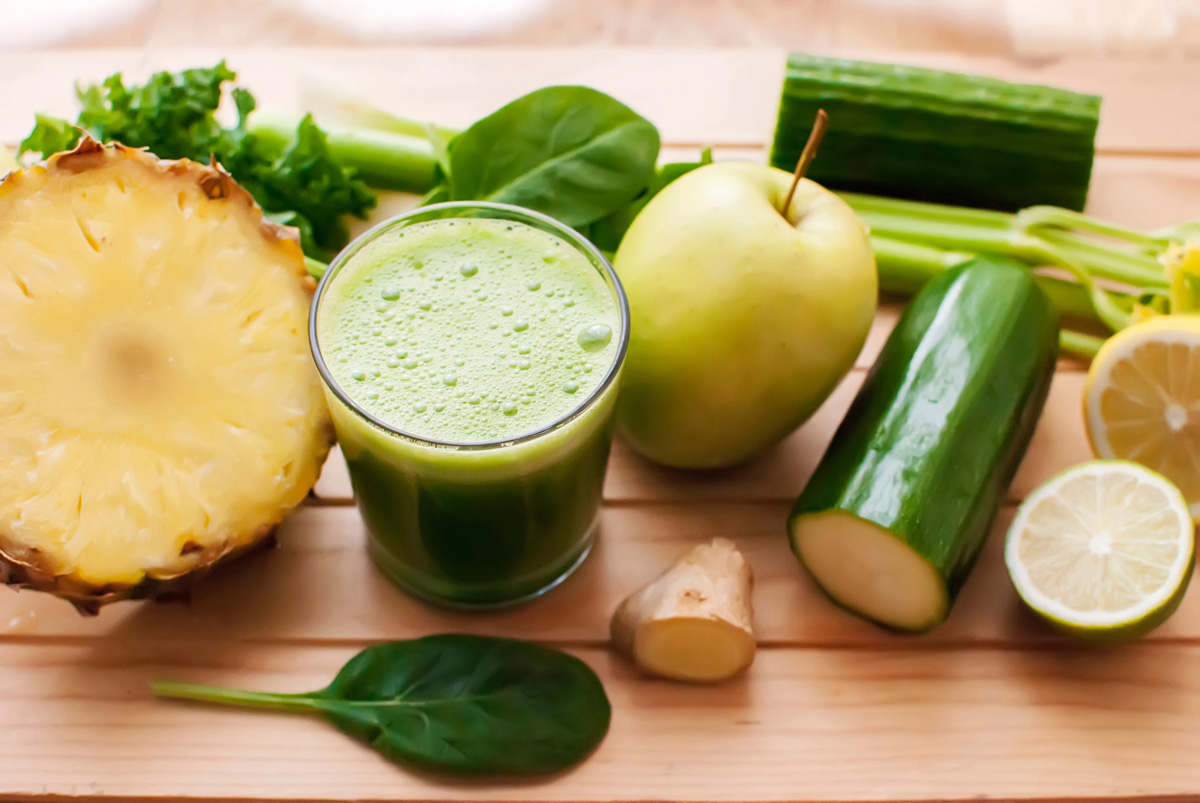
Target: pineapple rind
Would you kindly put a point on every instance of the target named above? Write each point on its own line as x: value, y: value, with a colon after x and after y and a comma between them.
x: 269, y: 411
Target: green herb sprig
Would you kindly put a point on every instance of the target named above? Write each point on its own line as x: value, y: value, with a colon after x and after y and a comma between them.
x: 297, y: 180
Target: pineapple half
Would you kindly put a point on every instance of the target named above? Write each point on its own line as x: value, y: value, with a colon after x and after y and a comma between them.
x: 159, y: 408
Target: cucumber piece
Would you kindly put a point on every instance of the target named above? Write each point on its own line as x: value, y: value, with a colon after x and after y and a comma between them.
x: 902, y: 502
x: 928, y: 135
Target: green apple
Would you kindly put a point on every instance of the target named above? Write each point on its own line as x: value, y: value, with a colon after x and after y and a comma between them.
x: 743, y: 319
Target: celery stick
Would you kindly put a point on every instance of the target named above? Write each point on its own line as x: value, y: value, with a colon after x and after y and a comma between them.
x: 905, y: 267
x: 384, y: 160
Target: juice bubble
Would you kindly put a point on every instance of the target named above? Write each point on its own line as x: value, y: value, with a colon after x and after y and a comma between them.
x: 595, y: 337
x: 520, y: 326
x: 391, y: 341
x: 393, y: 363
x: 523, y: 350
x: 450, y: 380
x: 570, y: 302
x: 533, y: 284
x: 420, y: 407
x: 468, y: 270
x: 390, y: 294
x: 510, y: 408
x: 474, y: 400
x: 359, y: 375
x: 523, y: 365
x: 410, y: 363
x: 425, y: 305
x: 571, y: 387
x: 506, y: 311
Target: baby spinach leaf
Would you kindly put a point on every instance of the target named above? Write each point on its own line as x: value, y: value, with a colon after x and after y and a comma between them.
x: 570, y: 152
x: 606, y: 233
x: 453, y: 702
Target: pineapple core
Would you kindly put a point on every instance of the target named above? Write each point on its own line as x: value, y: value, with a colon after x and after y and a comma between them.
x: 158, y: 405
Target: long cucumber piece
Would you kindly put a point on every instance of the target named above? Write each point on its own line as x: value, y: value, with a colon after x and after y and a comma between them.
x: 895, y: 516
x: 909, y: 132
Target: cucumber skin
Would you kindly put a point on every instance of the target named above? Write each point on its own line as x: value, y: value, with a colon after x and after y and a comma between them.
x: 927, y: 135
x: 935, y: 435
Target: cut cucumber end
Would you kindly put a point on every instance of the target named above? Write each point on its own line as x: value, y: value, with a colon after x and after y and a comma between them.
x: 867, y: 569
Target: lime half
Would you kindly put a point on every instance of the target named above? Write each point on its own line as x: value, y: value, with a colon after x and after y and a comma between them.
x: 1104, y: 550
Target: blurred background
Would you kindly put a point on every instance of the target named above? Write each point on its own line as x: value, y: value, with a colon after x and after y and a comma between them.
x: 1034, y: 29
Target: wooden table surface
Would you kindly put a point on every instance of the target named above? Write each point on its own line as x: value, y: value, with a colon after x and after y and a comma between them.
x: 991, y: 704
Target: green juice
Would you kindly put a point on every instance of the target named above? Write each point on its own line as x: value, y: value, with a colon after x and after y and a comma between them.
x: 471, y: 367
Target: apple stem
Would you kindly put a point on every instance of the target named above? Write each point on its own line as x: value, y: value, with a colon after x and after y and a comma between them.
x: 806, y: 156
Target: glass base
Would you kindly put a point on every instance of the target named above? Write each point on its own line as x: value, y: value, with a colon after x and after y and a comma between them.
x: 386, y: 564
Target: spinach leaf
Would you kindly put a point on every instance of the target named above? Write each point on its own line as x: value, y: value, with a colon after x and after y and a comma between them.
x: 571, y: 152
x: 453, y: 702
x: 607, y: 232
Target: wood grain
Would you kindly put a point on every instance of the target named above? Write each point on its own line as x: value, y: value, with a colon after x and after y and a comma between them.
x: 319, y: 586
x: 1059, y: 442
x: 820, y: 724
x: 694, y: 95
x: 992, y: 704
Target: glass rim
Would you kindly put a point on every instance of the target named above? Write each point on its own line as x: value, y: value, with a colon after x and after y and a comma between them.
x: 561, y: 230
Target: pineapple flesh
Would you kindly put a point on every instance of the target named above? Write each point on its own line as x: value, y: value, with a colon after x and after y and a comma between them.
x: 159, y: 408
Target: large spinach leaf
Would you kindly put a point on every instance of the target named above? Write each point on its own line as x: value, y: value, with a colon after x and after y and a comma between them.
x: 453, y: 702
x: 607, y: 232
x: 570, y: 152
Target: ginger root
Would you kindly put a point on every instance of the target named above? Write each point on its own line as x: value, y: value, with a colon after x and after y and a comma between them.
x: 694, y: 622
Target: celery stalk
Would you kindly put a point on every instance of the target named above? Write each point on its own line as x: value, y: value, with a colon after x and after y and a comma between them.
x: 905, y: 267
x: 385, y: 160
x: 1021, y: 237
x: 332, y: 103
x: 1079, y: 344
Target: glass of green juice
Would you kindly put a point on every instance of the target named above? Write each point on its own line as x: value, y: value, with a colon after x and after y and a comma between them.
x: 471, y: 354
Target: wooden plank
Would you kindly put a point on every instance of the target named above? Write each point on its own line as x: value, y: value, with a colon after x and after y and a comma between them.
x: 1059, y: 442
x: 694, y: 95
x: 75, y: 721
x: 320, y: 587
x: 991, y: 704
